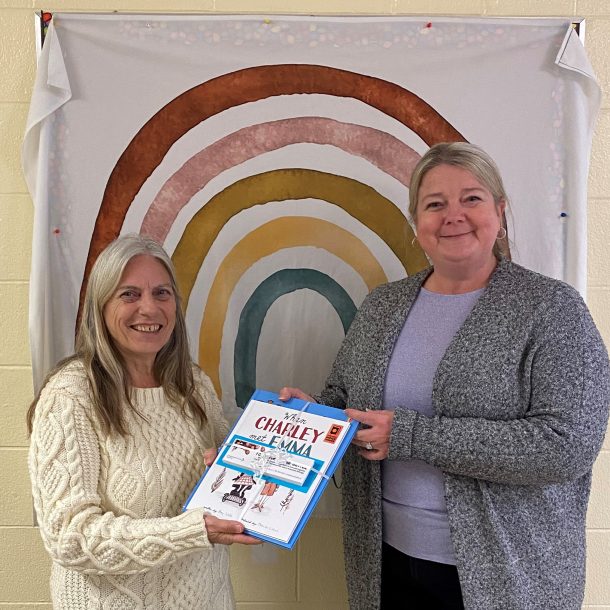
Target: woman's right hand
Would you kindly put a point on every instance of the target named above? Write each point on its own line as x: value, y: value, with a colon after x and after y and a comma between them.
x: 287, y: 393
x: 225, y: 531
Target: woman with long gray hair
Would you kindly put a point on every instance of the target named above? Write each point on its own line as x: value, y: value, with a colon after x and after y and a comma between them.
x: 120, y: 434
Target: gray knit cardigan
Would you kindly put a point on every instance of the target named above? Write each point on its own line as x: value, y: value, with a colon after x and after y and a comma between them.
x: 521, y: 399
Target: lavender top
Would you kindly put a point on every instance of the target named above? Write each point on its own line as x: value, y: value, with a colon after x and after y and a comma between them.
x: 414, y: 511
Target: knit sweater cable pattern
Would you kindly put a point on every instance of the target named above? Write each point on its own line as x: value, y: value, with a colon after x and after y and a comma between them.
x: 109, y: 507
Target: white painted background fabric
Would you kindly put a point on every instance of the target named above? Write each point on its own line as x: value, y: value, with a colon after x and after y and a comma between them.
x: 522, y: 89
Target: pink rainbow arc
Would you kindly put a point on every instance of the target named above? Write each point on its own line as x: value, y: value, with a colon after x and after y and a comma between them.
x: 381, y: 149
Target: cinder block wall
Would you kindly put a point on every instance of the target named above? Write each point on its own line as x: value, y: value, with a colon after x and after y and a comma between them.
x: 266, y: 579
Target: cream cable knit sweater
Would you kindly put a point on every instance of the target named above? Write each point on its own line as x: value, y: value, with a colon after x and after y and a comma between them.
x: 109, y: 509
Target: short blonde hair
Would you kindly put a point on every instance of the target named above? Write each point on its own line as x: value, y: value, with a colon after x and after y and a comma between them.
x: 466, y: 156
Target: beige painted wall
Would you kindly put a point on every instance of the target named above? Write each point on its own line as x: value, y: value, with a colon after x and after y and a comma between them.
x: 311, y: 577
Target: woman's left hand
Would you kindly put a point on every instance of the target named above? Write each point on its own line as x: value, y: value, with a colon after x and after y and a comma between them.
x: 226, y: 531
x: 209, y: 455
x: 374, y: 440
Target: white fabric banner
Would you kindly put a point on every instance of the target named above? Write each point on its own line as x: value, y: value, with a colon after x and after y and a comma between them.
x: 271, y: 157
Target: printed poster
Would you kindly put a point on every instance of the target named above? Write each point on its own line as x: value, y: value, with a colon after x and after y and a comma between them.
x: 274, y: 465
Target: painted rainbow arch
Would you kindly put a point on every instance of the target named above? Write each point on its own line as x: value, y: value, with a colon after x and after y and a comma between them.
x: 360, y: 201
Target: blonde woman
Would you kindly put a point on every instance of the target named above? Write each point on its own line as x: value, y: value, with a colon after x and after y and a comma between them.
x: 483, y: 388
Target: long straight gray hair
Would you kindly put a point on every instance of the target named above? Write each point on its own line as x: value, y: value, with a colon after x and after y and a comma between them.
x: 103, y: 362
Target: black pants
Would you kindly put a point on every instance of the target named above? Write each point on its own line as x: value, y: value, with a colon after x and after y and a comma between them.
x: 417, y: 584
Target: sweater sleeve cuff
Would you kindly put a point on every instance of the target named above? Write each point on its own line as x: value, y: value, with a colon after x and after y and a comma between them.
x: 190, y: 527
x: 401, y: 437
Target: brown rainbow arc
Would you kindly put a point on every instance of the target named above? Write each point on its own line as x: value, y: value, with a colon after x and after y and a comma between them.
x: 148, y: 147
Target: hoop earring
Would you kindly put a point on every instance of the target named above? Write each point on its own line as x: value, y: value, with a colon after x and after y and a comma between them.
x: 413, y: 242
x: 501, y: 234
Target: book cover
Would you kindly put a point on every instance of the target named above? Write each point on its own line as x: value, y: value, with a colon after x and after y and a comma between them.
x: 274, y: 466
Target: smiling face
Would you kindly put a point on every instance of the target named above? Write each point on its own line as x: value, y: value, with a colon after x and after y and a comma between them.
x: 457, y: 218
x: 141, y: 313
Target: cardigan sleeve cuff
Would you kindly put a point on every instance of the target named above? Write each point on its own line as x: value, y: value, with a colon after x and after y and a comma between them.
x: 401, y: 436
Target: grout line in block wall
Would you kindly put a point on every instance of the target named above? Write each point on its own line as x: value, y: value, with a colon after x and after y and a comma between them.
x: 4, y: 365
